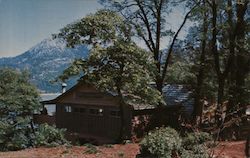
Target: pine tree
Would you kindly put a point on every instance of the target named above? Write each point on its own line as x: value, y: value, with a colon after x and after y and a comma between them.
x: 18, y: 101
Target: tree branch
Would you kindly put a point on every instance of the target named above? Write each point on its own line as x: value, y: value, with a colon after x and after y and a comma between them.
x: 164, y: 71
x: 146, y: 23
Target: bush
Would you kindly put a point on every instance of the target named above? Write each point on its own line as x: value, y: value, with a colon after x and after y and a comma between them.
x: 197, y: 138
x: 197, y: 151
x: 18, y: 141
x: 166, y: 143
x: 18, y: 101
x: 161, y: 143
x: 49, y: 136
x: 194, y: 145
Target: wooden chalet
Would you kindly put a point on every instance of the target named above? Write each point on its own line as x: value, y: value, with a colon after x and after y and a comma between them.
x: 89, y: 114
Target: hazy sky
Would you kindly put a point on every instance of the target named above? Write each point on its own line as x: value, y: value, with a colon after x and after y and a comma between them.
x: 24, y: 23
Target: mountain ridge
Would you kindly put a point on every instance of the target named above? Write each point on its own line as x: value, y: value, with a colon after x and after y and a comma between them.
x: 45, y: 61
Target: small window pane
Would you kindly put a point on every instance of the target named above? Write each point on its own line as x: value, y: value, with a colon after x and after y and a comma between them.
x: 68, y: 108
x: 79, y: 110
x: 96, y: 112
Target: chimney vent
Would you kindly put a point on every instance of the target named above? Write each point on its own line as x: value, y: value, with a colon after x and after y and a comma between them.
x: 64, y: 85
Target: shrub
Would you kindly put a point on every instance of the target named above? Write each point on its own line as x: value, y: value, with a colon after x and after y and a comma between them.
x: 194, y: 145
x: 196, y: 138
x: 166, y: 143
x: 197, y: 151
x: 49, y: 136
x: 161, y: 143
x: 17, y: 141
x: 18, y: 101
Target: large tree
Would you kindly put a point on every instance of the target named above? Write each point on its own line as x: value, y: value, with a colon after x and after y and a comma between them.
x: 149, y: 20
x: 115, y: 63
x: 200, y: 53
x: 18, y: 101
x: 219, y: 52
x: 228, y: 46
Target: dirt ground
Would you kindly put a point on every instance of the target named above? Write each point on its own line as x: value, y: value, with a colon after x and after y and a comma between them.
x: 224, y: 150
x: 230, y: 150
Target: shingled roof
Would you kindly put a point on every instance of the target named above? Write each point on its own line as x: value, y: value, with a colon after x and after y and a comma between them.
x: 176, y: 94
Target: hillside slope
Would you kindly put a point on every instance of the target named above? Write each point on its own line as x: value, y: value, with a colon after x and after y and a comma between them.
x: 45, y: 61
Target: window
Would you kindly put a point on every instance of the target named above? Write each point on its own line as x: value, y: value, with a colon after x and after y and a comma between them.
x: 115, y: 113
x: 68, y: 108
x: 98, y: 112
x: 79, y: 110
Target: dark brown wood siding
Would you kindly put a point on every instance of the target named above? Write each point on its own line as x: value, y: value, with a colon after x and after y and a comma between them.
x: 89, y: 123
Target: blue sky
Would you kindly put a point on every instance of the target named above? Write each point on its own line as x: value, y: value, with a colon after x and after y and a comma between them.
x: 24, y: 23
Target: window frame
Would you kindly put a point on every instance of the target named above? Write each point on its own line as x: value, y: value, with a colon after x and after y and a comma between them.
x: 79, y: 110
x: 100, y: 111
x: 68, y: 108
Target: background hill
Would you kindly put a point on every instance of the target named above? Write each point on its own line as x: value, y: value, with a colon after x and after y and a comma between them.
x: 45, y: 61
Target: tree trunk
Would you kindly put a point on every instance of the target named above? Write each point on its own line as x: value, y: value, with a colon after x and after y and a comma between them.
x: 242, y: 55
x: 121, y: 104
x: 122, y: 116
x: 221, y: 86
x: 232, y: 72
x: 198, y: 106
x: 159, y: 84
x: 240, y: 59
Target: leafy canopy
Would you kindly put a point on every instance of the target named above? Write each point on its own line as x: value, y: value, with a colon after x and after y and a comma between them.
x: 18, y: 101
x: 115, y: 62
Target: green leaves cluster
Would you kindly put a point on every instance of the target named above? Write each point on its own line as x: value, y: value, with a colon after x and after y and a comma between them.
x: 18, y: 101
x: 115, y: 62
x: 167, y: 143
x: 49, y: 136
x: 161, y: 143
x: 102, y: 28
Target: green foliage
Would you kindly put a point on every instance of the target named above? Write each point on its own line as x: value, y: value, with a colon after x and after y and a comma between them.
x: 101, y: 28
x: 115, y: 62
x: 194, y: 145
x: 166, y: 142
x: 179, y: 72
x: 18, y: 101
x: 196, y: 138
x: 49, y: 136
x: 198, y: 151
x: 161, y: 142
